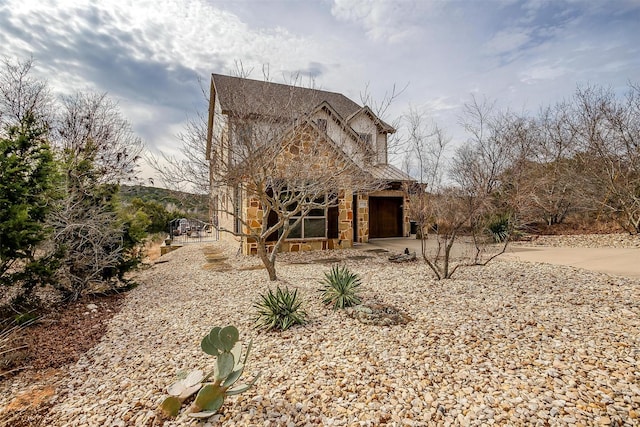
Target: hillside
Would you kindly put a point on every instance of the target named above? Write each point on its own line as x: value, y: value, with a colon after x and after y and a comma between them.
x: 193, y: 204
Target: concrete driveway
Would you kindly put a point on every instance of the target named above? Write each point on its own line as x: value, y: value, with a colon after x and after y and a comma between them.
x: 618, y: 261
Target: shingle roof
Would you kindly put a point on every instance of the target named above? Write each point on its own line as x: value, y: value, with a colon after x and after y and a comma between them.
x: 239, y: 96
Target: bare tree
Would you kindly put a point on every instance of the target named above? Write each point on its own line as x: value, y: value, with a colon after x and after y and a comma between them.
x: 98, y: 150
x: 489, y: 219
x: 550, y: 183
x: 92, y: 129
x: 425, y: 159
x: 21, y: 94
x: 464, y: 207
x: 426, y: 149
x: 609, y: 136
x: 381, y: 108
x: 189, y: 171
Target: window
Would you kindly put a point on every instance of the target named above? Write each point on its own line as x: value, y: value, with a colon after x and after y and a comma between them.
x: 312, y: 226
x: 315, y: 225
x: 244, y: 133
x: 366, y: 137
x: 237, y: 210
x: 382, y: 149
x: 322, y: 124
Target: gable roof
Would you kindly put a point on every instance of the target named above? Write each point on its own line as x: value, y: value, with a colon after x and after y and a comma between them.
x: 384, y: 126
x: 248, y: 97
x: 355, y: 137
x: 292, y: 130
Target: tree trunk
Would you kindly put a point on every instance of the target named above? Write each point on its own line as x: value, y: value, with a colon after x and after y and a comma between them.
x: 271, y: 269
x: 269, y: 264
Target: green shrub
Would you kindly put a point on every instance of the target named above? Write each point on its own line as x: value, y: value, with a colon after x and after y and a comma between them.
x: 280, y: 310
x: 28, y: 177
x: 340, y: 288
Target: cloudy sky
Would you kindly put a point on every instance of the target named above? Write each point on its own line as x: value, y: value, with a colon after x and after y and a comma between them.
x: 150, y: 55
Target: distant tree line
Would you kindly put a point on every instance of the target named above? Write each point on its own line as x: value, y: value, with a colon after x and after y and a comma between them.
x: 171, y: 203
x: 580, y: 156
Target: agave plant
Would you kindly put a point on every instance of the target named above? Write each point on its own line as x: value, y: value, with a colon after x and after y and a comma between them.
x: 280, y: 310
x: 215, y: 386
x: 340, y: 287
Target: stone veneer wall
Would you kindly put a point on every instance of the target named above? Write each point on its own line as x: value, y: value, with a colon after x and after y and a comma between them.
x: 345, y: 219
x: 363, y: 218
x: 253, y: 212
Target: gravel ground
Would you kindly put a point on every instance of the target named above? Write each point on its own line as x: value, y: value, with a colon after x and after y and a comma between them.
x: 586, y: 241
x: 509, y: 344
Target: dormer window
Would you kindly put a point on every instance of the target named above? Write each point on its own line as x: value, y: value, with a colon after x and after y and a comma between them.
x: 322, y: 124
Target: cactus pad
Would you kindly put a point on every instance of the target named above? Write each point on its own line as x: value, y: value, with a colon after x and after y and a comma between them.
x: 228, y: 337
x: 210, y: 398
x: 170, y: 407
x: 225, y: 365
x: 207, y: 346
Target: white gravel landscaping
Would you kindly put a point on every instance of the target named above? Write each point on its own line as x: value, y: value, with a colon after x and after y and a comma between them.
x: 618, y: 240
x: 509, y: 344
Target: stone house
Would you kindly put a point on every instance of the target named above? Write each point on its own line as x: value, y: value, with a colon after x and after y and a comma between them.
x: 349, y: 133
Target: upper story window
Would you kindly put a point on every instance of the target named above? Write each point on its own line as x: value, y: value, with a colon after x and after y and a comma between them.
x: 366, y: 137
x: 322, y: 124
x: 244, y: 133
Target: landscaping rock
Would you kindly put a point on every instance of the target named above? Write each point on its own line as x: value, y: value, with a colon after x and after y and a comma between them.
x: 378, y: 314
x: 512, y: 343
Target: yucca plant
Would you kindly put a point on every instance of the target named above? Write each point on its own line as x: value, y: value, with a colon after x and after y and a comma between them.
x: 499, y: 228
x: 340, y: 287
x: 280, y: 310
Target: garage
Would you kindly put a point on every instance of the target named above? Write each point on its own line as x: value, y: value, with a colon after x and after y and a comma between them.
x: 385, y: 217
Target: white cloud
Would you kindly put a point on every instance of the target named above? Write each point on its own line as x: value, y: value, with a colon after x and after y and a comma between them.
x: 194, y: 34
x: 508, y: 40
x: 147, y: 54
x: 384, y: 20
x: 543, y: 72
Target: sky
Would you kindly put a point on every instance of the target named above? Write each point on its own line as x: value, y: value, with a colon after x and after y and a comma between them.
x: 153, y: 57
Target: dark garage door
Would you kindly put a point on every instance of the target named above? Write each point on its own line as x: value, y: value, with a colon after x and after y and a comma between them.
x: 385, y: 217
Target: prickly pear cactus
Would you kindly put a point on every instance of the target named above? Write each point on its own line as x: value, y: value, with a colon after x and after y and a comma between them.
x: 216, y: 385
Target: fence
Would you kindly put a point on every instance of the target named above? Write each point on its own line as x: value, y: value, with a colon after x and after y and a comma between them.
x: 189, y: 230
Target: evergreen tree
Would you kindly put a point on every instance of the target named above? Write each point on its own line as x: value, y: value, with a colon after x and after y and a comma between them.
x: 27, y: 183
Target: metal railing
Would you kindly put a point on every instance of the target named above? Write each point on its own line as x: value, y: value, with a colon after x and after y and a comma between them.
x: 190, y: 230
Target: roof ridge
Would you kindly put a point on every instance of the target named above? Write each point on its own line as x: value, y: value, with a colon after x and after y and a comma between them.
x: 267, y: 82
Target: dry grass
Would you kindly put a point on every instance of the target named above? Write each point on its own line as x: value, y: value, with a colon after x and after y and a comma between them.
x: 152, y: 247
x: 12, y: 349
